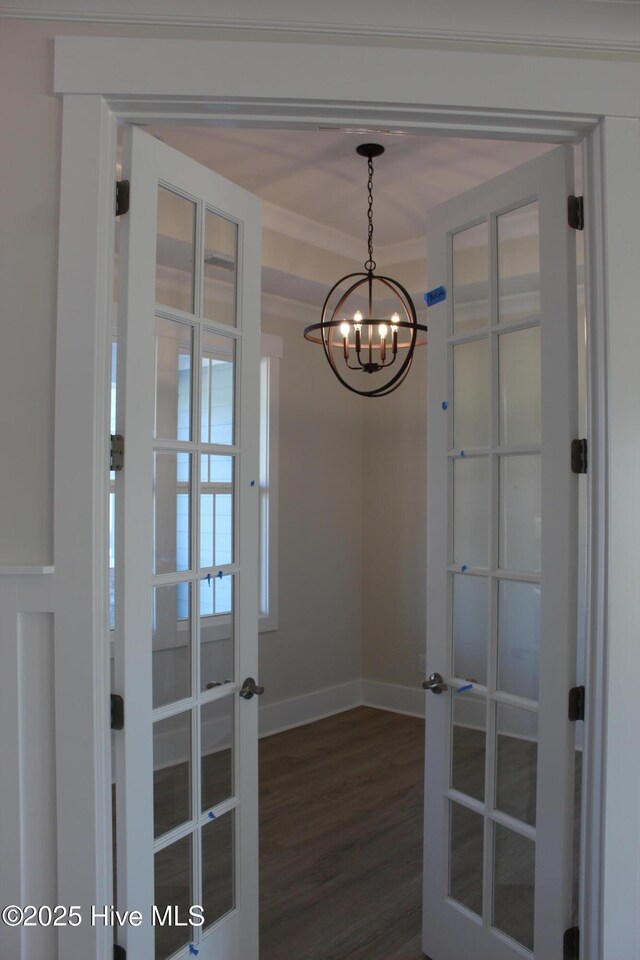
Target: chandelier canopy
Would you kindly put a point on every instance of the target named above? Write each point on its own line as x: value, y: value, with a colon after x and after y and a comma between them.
x: 369, y: 323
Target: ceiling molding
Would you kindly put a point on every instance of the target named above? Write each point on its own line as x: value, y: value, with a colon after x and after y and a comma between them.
x: 404, y: 252
x: 305, y: 230
x: 274, y: 306
x: 603, y: 35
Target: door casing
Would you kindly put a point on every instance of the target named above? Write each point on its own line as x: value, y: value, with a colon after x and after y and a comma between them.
x: 106, y: 80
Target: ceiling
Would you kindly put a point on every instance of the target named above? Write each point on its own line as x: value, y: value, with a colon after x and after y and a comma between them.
x: 317, y: 173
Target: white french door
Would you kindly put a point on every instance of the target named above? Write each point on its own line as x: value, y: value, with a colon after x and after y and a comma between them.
x: 502, y: 548
x: 186, y: 588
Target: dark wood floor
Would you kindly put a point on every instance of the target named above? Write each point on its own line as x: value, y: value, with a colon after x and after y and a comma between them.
x: 341, y: 812
x: 341, y: 839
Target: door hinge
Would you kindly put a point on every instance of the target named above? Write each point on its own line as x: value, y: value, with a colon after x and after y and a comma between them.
x: 117, y: 452
x: 571, y: 944
x: 579, y: 456
x: 117, y: 712
x: 575, y: 212
x: 576, y: 703
x: 123, y: 190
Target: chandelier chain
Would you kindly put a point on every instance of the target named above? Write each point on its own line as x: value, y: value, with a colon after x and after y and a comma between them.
x: 370, y: 265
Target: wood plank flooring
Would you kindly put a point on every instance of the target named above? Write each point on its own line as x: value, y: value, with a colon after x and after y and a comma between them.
x: 341, y: 839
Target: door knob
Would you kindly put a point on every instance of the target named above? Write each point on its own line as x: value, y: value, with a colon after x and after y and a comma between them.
x: 435, y: 683
x: 250, y: 688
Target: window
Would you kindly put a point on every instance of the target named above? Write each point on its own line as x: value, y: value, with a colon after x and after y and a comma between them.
x: 216, y: 482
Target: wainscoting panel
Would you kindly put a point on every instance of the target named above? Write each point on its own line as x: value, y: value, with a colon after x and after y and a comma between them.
x: 27, y: 756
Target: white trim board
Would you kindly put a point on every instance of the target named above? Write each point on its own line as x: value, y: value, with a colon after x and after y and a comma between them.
x: 318, y: 704
x: 598, y: 26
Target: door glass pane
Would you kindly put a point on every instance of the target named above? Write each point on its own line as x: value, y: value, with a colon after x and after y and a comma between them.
x: 471, y: 394
x: 471, y: 511
x: 516, y: 763
x: 220, y: 257
x: 468, y: 745
x: 171, y: 643
x: 470, y: 608
x: 217, y: 388
x: 520, y: 513
x: 216, y: 510
x: 470, y: 279
x: 466, y: 857
x: 520, y: 386
x: 175, y: 246
x: 216, y: 631
x: 518, y: 638
x: 218, y: 874
x: 174, y: 350
x: 518, y: 264
x: 514, y: 880
x: 171, y: 772
x: 173, y: 871
x: 171, y: 511
x: 217, y: 723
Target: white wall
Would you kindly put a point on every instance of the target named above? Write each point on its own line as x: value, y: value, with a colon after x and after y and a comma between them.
x: 318, y: 640
x: 29, y: 169
x: 394, y: 541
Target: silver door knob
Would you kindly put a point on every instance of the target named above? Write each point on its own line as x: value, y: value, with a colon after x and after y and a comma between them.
x: 435, y: 683
x: 250, y: 689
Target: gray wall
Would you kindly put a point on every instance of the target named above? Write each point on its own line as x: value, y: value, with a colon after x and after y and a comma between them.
x: 318, y: 641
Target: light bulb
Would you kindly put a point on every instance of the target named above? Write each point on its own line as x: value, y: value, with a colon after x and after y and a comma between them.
x: 395, y: 320
x: 382, y: 330
x: 344, y: 328
x: 357, y: 318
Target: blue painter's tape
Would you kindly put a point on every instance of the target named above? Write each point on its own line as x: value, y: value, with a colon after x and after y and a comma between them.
x: 193, y: 951
x: 462, y: 453
x: 209, y: 579
x: 464, y: 568
x: 212, y: 816
x: 219, y: 574
x: 467, y: 686
x: 253, y: 483
x: 444, y: 404
x: 437, y: 295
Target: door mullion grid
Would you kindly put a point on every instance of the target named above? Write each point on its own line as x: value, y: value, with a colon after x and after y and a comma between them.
x: 196, y: 773
x: 494, y: 551
x: 236, y: 559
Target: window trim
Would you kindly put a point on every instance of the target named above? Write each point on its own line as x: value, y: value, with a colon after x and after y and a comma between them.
x: 271, y: 352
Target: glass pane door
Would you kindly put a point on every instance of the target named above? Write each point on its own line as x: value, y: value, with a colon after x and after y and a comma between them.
x: 186, y: 764
x: 501, y: 544
x: 194, y: 568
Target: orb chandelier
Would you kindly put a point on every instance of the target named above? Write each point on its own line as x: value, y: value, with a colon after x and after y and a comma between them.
x: 369, y: 324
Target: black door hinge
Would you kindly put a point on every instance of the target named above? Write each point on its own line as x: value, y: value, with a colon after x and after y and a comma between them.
x: 117, y: 452
x: 117, y: 712
x: 123, y: 189
x: 576, y: 703
x: 119, y: 953
x: 579, y: 456
x: 571, y: 944
x: 575, y: 212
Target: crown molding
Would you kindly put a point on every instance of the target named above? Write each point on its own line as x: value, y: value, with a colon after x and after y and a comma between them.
x: 404, y: 252
x: 305, y: 230
x: 273, y: 305
x: 600, y: 31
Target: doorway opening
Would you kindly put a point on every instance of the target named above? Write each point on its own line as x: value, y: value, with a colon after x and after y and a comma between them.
x: 350, y: 556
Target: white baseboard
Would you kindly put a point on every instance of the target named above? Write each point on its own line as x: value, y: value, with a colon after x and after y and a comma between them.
x: 394, y: 697
x: 296, y: 711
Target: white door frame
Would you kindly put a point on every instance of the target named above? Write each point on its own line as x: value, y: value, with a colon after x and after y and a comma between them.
x: 487, y: 94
